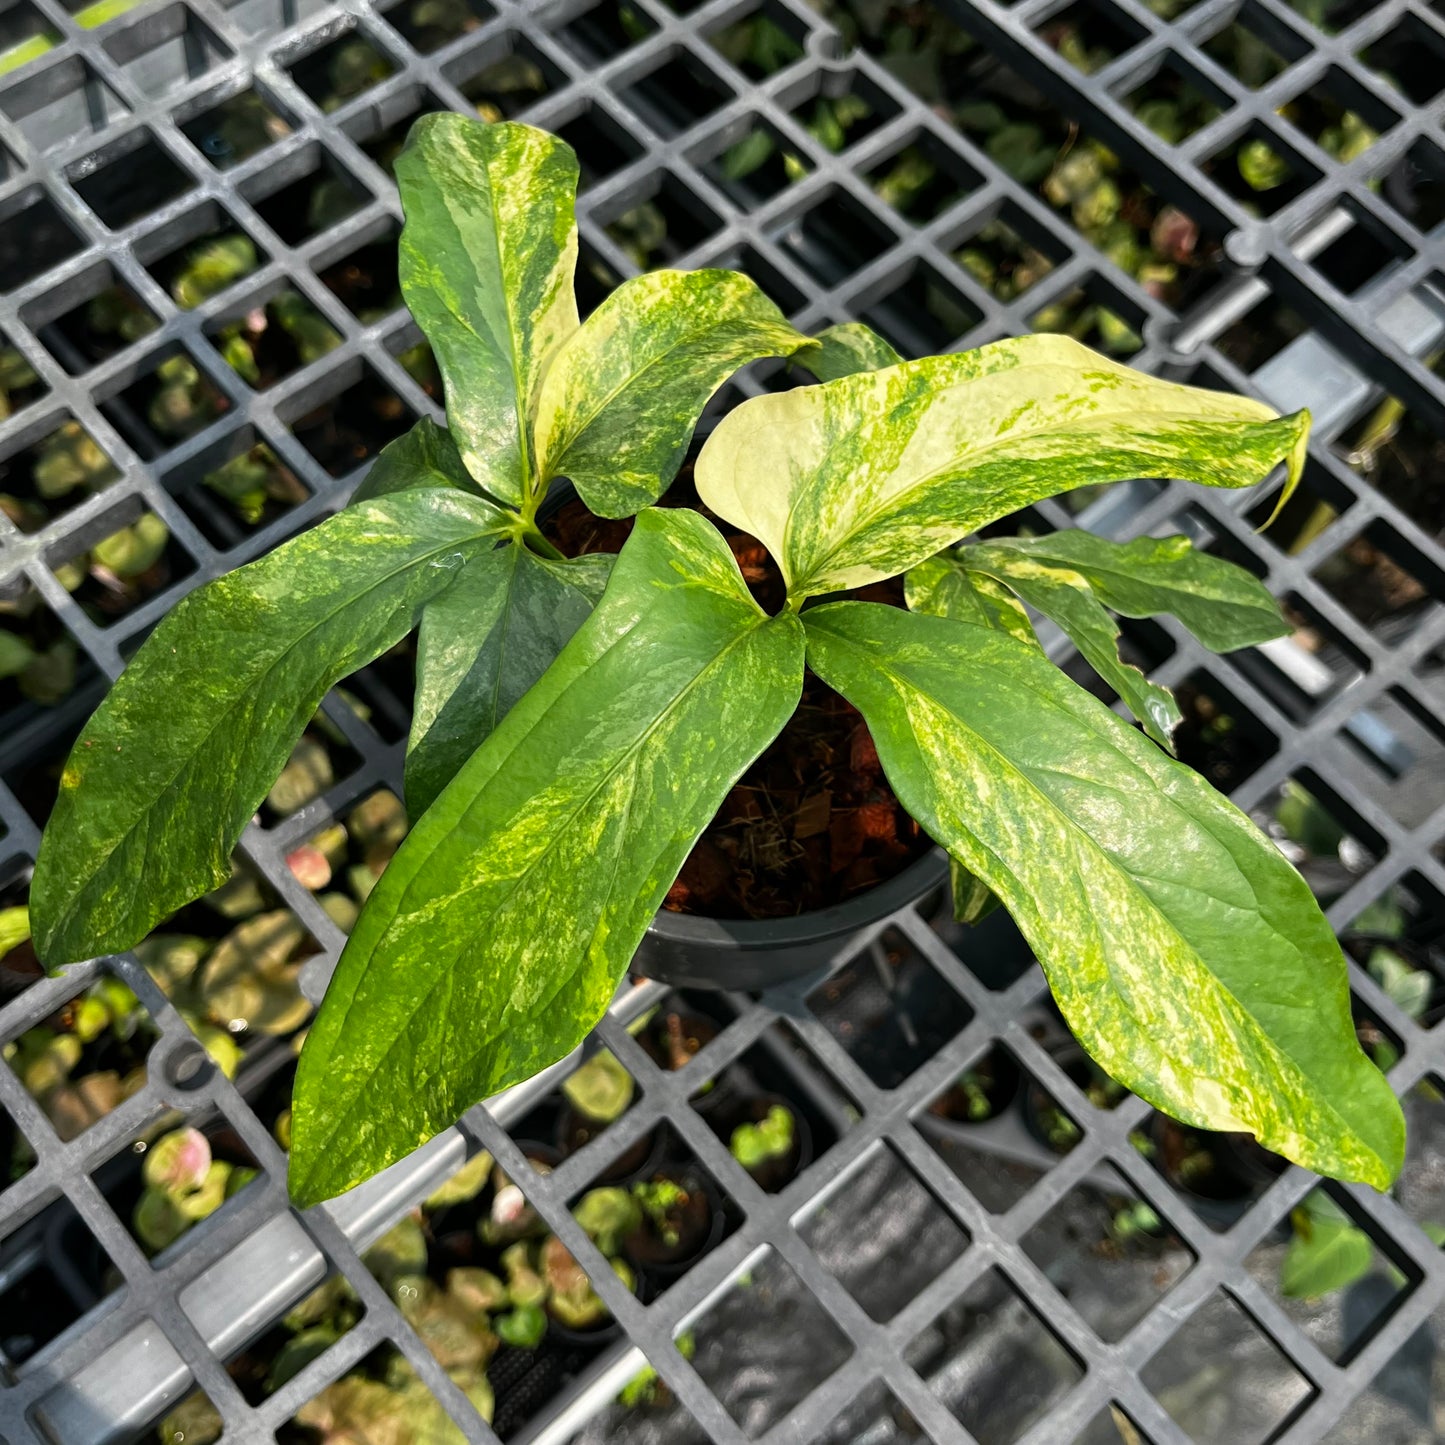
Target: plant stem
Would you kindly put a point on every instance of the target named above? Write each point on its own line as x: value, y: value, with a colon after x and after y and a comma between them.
x: 532, y: 536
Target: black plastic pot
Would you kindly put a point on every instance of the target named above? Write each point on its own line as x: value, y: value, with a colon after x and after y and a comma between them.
x: 1242, y: 1169
x: 938, y: 1123
x: 773, y: 1174
x: 657, y: 1264
x: 687, y: 951
x: 575, y: 1131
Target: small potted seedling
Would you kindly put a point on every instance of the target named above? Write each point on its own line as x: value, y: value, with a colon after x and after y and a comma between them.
x: 680, y: 1221
x: 510, y: 1216
x: 84, y: 1060
x: 647, y: 1387
x: 980, y: 1093
x: 1220, y: 1173
x: 773, y: 1145
x: 597, y: 1094
x: 673, y: 1036
x: 184, y: 1184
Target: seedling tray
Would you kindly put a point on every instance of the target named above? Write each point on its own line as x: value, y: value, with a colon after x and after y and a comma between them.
x: 988, y: 1288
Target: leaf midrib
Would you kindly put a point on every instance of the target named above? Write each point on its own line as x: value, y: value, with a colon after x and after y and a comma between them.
x: 967, y: 460
x: 627, y: 757
x: 898, y: 680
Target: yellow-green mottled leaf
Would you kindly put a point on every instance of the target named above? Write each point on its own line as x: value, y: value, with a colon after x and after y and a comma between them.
x: 498, y: 934
x: 1065, y: 596
x: 14, y: 927
x: 483, y: 643
x: 181, y: 753
x: 943, y: 587
x: 973, y: 899
x: 1186, y: 954
x: 1220, y: 603
x: 862, y: 478
x: 619, y: 404
x: 425, y: 457
x: 846, y: 349
x: 487, y: 258
x: 1324, y: 1255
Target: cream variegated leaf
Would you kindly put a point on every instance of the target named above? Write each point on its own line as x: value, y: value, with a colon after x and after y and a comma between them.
x: 424, y: 457
x: 500, y: 930
x: 943, y: 587
x: 862, y: 478
x: 487, y: 258
x: 178, y: 757
x: 1065, y: 597
x: 845, y: 349
x: 1186, y: 954
x: 619, y: 404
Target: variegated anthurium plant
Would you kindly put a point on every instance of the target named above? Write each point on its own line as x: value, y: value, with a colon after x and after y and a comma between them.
x: 579, y: 722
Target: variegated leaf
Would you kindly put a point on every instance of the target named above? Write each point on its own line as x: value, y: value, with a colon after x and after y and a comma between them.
x: 178, y: 757
x: 487, y: 258
x: 1220, y: 603
x: 500, y: 930
x: 862, y: 478
x: 1186, y: 954
x: 1065, y: 597
x: 619, y: 404
x: 845, y: 349
x: 424, y: 458
x: 943, y: 587
x: 482, y: 644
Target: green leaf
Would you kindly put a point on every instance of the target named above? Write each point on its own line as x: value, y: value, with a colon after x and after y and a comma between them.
x: 862, y: 478
x: 943, y: 587
x: 620, y: 402
x: 498, y: 934
x: 1324, y: 1255
x: 180, y: 754
x: 846, y: 349
x: 422, y: 459
x: 1065, y: 596
x: 1224, y: 606
x: 1186, y: 955
x: 483, y: 643
x: 1410, y: 989
x: 973, y: 899
x: 487, y: 258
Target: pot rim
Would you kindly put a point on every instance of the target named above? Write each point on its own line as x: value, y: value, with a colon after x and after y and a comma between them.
x: 835, y: 921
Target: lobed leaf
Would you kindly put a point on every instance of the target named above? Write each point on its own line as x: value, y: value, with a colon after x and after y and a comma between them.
x: 943, y: 587
x: 1186, y: 955
x: 179, y: 756
x: 422, y: 459
x: 499, y: 932
x: 482, y: 644
x: 486, y: 259
x: 1065, y: 597
x: 1325, y: 1254
x: 619, y: 404
x: 845, y: 349
x: 862, y: 478
x: 1224, y: 606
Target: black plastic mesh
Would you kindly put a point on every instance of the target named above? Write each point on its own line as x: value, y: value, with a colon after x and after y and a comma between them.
x: 950, y: 175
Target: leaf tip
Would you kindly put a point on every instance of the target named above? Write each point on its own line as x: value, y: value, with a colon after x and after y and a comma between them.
x: 1294, y: 460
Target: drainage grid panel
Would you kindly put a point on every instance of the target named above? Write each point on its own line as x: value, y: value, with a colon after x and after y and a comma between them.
x: 203, y: 345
